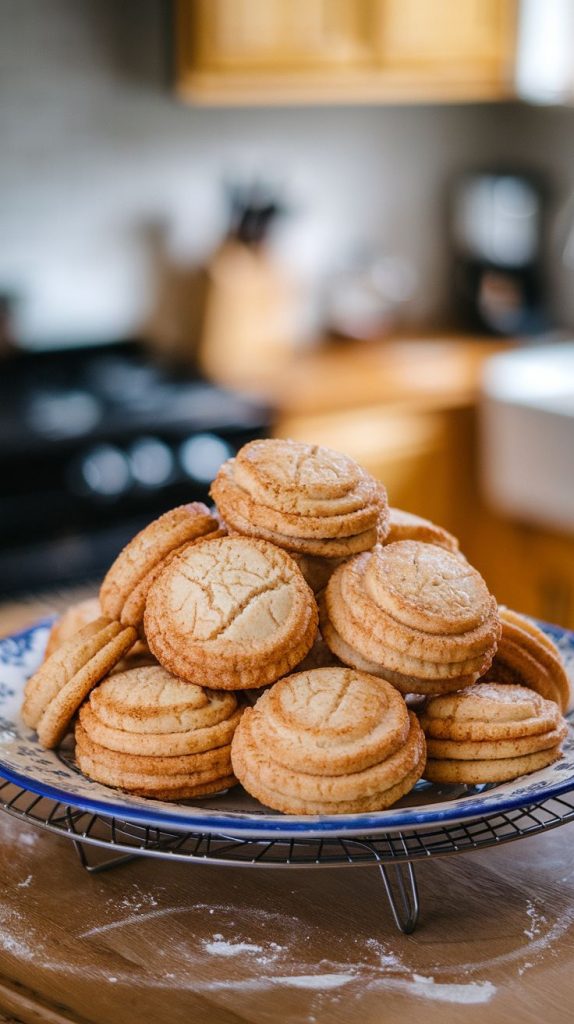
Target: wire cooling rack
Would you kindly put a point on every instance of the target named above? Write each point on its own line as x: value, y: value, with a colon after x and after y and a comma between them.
x: 394, y: 854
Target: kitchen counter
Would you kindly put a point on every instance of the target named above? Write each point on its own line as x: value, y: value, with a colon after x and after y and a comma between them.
x: 442, y: 372
x: 153, y: 941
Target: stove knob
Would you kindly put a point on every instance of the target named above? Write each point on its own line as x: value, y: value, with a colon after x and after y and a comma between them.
x: 202, y: 455
x: 105, y: 471
x: 151, y: 462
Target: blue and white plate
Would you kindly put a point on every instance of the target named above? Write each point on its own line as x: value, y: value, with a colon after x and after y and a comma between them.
x: 53, y: 774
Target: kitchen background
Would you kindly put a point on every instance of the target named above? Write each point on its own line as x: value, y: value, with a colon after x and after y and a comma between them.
x: 346, y: 221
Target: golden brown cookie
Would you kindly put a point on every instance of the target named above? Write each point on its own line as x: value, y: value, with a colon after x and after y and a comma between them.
x: 328, y: 741
x: 406, y: 526
x: 96, y: 762
x: 490, y: 733
x: 415, y: 614
x: 124, y: 589
x: 71, y: 621
x: 150, y: 733
x: 304, y: 498
x: 54, y: 693
x: 528, y: 657
x: 231, y: 614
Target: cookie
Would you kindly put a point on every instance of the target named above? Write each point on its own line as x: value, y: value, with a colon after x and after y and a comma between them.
x: 149, y: 733
x: 53, y: 695
x: 151, y: 700
x: 304, y: 498
x: 528, y: 657
x: 328, y: 741
x: 125, y: 587
x: 412, y: 613
x: 71, y: 621
x: 96, y: 764
x: 231, y: 614
x: 406, y: 526
x: 490, y: 733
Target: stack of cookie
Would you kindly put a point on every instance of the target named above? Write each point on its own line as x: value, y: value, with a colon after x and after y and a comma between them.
x: 54, y: 694
x: 306, y: 499
x: 329, y: 741
x: 154, y: 735
x: 526, y: 656
x: 414, y: 614
x: 231, y: 614
x: 490, y: 733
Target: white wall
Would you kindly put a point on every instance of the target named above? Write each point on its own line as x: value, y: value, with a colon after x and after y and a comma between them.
x: 94, y: 149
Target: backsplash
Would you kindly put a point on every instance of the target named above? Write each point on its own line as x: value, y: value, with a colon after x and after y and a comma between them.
x: 99, y: 161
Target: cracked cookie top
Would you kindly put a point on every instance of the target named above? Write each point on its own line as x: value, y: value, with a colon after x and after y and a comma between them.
x: 229, y: 604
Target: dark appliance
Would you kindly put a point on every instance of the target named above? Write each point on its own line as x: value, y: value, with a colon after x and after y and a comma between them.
x: 496, y: 229
x: 96, y: 442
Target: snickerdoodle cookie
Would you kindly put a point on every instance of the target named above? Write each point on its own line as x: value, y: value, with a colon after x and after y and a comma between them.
x: 54, y: 693
x: 231, y: 614
x: 149, y: 733
x: 528, y: 657
x: 126, y: 584
x: 71, y: 621
x: 490, y: 733
x: 414, y: 614
x: 328, y: 741
x: 302, y: 497
x: 406, y: 526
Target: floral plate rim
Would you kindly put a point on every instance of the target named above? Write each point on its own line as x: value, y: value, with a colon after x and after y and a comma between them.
x: 17, y: 653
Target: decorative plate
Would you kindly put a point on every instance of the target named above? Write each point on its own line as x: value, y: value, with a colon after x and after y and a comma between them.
x: 53, y: 774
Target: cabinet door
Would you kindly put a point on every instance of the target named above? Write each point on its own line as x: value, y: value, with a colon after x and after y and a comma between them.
x: 265, y: 51
x: 281, y: 35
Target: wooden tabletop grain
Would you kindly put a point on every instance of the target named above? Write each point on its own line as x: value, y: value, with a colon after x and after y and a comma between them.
x: 167, y: 942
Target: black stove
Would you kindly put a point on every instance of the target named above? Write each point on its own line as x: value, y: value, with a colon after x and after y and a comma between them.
x: 96, y: 442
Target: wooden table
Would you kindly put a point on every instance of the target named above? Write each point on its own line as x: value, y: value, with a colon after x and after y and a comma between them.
x: 158, y: 942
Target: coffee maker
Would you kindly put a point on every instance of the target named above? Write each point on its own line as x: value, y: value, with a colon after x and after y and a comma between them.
x: 496, y: 229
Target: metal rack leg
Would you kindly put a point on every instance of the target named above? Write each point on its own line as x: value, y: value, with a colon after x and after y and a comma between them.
x: 403, y: 895
x: 103, y: 865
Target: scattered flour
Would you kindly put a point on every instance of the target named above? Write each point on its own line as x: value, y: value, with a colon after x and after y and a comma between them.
x: 25, y: 883
x: 218, y: 947
x: 29, y: 838
x: 320, y: 981
x: 536, y: 921
x: 472, y: 992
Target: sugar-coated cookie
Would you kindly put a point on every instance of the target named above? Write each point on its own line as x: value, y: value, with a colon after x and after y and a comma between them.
x: 125, y: 587
x: 528, y: 657
x: 330, y: 741
x: 150, y: 733
x: 304, y: 498
x: 490, y: 732
x: 406, y: 526
x: 71, y: 621
x: 412, y: 613
x: 231, y: 614
x: 54, y: 693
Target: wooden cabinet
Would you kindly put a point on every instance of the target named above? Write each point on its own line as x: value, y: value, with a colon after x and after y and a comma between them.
x: 284, y: 51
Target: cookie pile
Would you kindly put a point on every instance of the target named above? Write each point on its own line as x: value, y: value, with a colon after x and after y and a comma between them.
x: 152, y: 734
x: 414, y: 614
x: 329, y: 741
x: 204, y: 663
x: 490, y: 733
x: 526, y: 656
